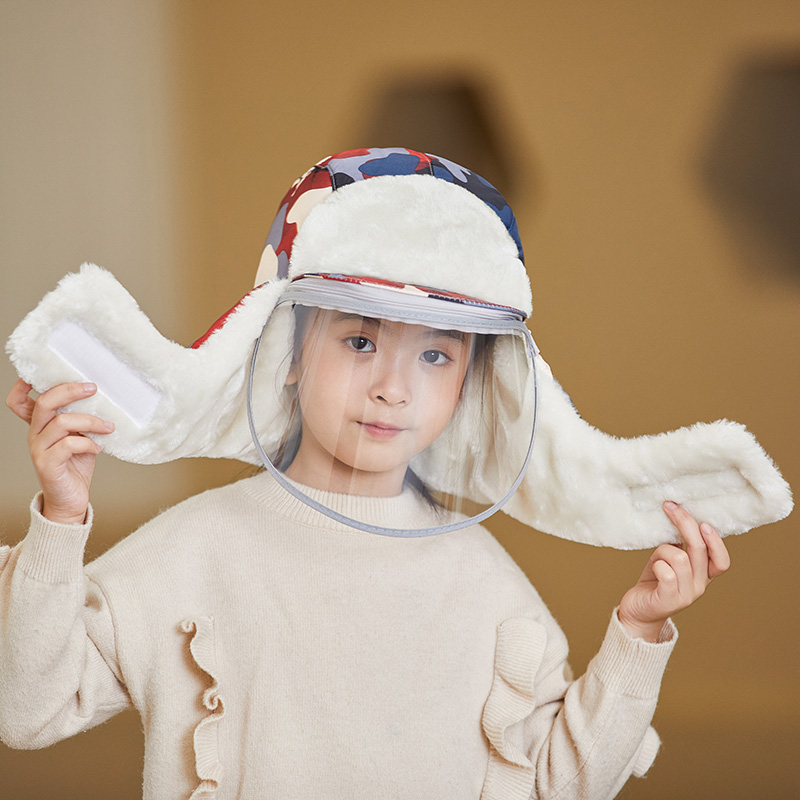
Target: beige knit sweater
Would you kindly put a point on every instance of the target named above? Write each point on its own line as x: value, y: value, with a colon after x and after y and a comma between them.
x: 274, y: 653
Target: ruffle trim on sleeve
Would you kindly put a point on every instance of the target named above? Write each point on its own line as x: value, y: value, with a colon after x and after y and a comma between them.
x: 520, y: 648
x: 206, y: 735
x: 647, y: 753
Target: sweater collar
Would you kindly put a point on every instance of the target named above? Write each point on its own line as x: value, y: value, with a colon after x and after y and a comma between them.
x: 406, y: 510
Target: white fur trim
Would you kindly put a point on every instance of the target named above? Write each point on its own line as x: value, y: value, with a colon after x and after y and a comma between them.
x: 414, y: 229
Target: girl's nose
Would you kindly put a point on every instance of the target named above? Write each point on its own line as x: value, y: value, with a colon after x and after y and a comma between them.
x: 390, y: 383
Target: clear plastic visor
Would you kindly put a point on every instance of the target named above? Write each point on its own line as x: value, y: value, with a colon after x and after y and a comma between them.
x: 380, y: 398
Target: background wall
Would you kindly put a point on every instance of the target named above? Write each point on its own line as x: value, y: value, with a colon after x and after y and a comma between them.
x: 157, y: 139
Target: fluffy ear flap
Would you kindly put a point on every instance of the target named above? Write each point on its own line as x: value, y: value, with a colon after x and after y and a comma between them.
x: 587, y: 486
x: 167, y: 401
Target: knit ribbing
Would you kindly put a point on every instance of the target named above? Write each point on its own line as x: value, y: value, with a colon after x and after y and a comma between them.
x: 647, y: 661
x: 53, y: 553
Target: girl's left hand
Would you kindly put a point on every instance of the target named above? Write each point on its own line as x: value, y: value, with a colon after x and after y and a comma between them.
x: 674, y: 576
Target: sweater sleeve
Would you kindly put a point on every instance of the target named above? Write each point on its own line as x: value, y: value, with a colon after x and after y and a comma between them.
x: 58, y: 667
x: 600, y: 732
x: 571, y: 740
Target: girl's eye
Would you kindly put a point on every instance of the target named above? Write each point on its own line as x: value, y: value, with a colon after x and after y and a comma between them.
x: 435, y: 357
x: 361, y: 344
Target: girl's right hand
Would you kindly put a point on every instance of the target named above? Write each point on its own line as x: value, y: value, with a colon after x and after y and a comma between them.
x: 63, y: 456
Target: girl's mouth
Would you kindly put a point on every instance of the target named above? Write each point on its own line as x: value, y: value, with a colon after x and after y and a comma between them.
x: 380, y: 430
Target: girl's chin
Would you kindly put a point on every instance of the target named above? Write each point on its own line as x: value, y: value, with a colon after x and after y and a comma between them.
x: 363, y: 480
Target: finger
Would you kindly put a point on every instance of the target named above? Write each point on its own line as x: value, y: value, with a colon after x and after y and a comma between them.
x: 666, y: 575
x: 19, y: 400
x: 64, y: 449
x: 48, y: 403
x: 694, y: 542
x: 719, y: 559
x: 679, y: 579
x: 675, y: 557
x: 64, y: 425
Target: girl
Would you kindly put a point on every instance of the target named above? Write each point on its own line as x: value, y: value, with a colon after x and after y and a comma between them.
x: 340, y: 625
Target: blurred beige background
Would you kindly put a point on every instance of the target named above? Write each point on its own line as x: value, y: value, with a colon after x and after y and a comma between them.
x: 157, y: 138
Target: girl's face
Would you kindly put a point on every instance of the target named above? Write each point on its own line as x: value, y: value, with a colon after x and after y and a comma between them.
x: 373, y: 394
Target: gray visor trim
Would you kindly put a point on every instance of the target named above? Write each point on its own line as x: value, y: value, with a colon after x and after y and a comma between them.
x: 377, y: 302
x: 409, y: 533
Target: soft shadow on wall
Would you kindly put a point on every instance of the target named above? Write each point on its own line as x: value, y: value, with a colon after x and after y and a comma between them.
x: 751, y: 163
x: 456, y: 116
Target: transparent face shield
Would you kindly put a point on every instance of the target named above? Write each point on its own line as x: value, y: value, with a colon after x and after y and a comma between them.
x: 382, y: 389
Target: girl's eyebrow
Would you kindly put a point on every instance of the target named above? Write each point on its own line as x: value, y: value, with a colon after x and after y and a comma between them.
x: 435, y: 333
x: 341, y: 316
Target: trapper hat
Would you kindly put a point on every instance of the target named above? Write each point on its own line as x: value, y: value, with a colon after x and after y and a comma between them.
x: 396, y: 224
